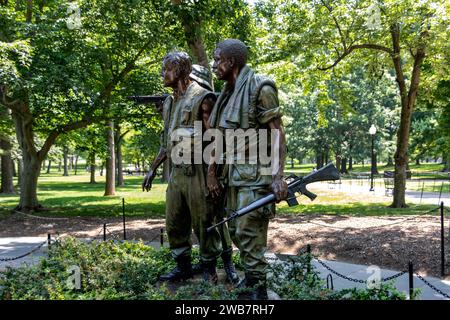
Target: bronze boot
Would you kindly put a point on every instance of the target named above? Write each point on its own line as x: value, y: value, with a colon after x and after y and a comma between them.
x: 182, y: 271
x: 255, y: 289
x: 228, y: 266
x: 209, y: 271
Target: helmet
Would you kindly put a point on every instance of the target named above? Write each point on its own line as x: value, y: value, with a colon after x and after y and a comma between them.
x: 202, y: 76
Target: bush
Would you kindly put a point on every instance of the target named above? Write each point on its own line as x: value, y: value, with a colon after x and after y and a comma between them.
x: 130, y: 271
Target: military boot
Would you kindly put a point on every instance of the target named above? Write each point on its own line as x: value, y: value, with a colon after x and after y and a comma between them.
x: 255, y: 289
x: 182, y: 271
x: 209, y: 271
x: 228, y: 266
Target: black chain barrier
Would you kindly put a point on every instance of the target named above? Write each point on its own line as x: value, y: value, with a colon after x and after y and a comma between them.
x: 25, y: 254
x: 359, y: 280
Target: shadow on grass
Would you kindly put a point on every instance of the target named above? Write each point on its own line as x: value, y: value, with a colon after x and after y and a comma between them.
x: 356, y: 209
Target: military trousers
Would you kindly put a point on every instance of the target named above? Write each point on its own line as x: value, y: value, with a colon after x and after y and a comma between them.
x: 249, y: 232
x: 187, y: 208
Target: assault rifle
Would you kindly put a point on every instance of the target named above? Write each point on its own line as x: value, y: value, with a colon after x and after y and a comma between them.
x: 297, y: 185
x: 149, y: 99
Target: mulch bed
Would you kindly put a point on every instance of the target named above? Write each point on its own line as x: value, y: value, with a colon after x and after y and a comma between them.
x: 388, y: 242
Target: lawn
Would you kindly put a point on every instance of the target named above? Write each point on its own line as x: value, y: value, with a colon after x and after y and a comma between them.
x: 73, y: 196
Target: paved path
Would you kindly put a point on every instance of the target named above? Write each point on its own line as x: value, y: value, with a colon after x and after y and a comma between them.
x: 363, y: 187
x: 12, y: 247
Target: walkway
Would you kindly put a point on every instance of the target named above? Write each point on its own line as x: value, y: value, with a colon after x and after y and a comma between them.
x: 12, y: 247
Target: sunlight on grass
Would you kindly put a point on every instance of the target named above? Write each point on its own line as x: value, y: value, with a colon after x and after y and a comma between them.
x: 74, y: 196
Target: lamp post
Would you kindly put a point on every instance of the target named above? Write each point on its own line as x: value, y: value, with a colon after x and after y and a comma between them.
x: 372, y: 132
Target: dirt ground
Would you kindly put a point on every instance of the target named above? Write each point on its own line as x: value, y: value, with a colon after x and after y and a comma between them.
x: 389, y: 242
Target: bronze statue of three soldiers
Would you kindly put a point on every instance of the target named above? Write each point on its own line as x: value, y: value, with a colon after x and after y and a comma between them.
x: 198, y: 192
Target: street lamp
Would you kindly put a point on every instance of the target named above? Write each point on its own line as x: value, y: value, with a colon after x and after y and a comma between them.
x: 372, y: 132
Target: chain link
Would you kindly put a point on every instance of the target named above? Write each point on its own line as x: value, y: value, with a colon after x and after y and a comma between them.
x: 338, y: 274
x: 432, y: 287
x: 358, y: 280
x: 113, y: 235
x: 25, y: 254
x: 395, y: 276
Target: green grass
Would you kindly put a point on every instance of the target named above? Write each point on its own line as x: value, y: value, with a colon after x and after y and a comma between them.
x: 74, y: 196
x: 426, y: 170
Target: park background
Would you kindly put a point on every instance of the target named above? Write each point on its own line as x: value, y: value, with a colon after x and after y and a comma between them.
x: 73, y: 145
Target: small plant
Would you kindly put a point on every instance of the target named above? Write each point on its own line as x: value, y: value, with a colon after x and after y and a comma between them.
x: 110, y: 271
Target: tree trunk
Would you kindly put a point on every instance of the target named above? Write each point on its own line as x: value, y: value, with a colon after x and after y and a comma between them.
x: 338, y: 163
x: 49, y: 167
x: 292, y: 163
x: 101, y: 169
x: 14, y: 168
x: 19, y: 171
x: 390, y: 163
x: 31, y: 162
x: 408, y: 99
x: 76, y: 164
x: 119, y: 176
x: 70, y: 163
x: 417, y: 161
x: 66, y: 154
x: 7, y: 184
x: 110, y: 186
x: 350, y: 164
x: 59, y: 166
x: 29, y: 14
x: 92, y: 166
x: 28, y: 186
x: 344, y: 165
x: 319, y: 160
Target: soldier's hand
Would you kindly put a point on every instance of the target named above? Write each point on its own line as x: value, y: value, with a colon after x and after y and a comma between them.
x: 280, y: 189
x: 214, y: 187
x: 147, y: 184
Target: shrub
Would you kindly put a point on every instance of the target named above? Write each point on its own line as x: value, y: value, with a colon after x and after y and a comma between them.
x: 130, y: 271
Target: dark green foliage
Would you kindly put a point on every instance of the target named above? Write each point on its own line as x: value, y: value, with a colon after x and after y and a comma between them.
x: 130, y: 271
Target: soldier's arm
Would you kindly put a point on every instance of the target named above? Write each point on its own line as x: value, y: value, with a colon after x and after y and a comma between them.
x: 160, y: 158
x: 211, y: 179
x: 269, y: 113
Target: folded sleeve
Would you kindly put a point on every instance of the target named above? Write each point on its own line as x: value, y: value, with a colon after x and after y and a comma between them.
x: 268, y: 107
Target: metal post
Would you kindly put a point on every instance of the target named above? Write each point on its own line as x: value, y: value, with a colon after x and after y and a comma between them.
x: 421, y: 194
x: 161, y: 238
x: 371, y: 168
x: 49, y: 240
x: 104, y: 232
x: 442, y: 241
x: 411, y: 279
x: 330, y: 284
x: 123, y: 214
x: 308, y: 250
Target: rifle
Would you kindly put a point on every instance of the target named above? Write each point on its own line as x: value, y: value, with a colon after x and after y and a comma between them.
x: 298, y: 184
x: 149, y: 99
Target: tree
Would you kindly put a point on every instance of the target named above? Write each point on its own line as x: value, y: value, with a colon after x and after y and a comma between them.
x: 7, y: 165
x: 392, y: 34
x: 56, y: 77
